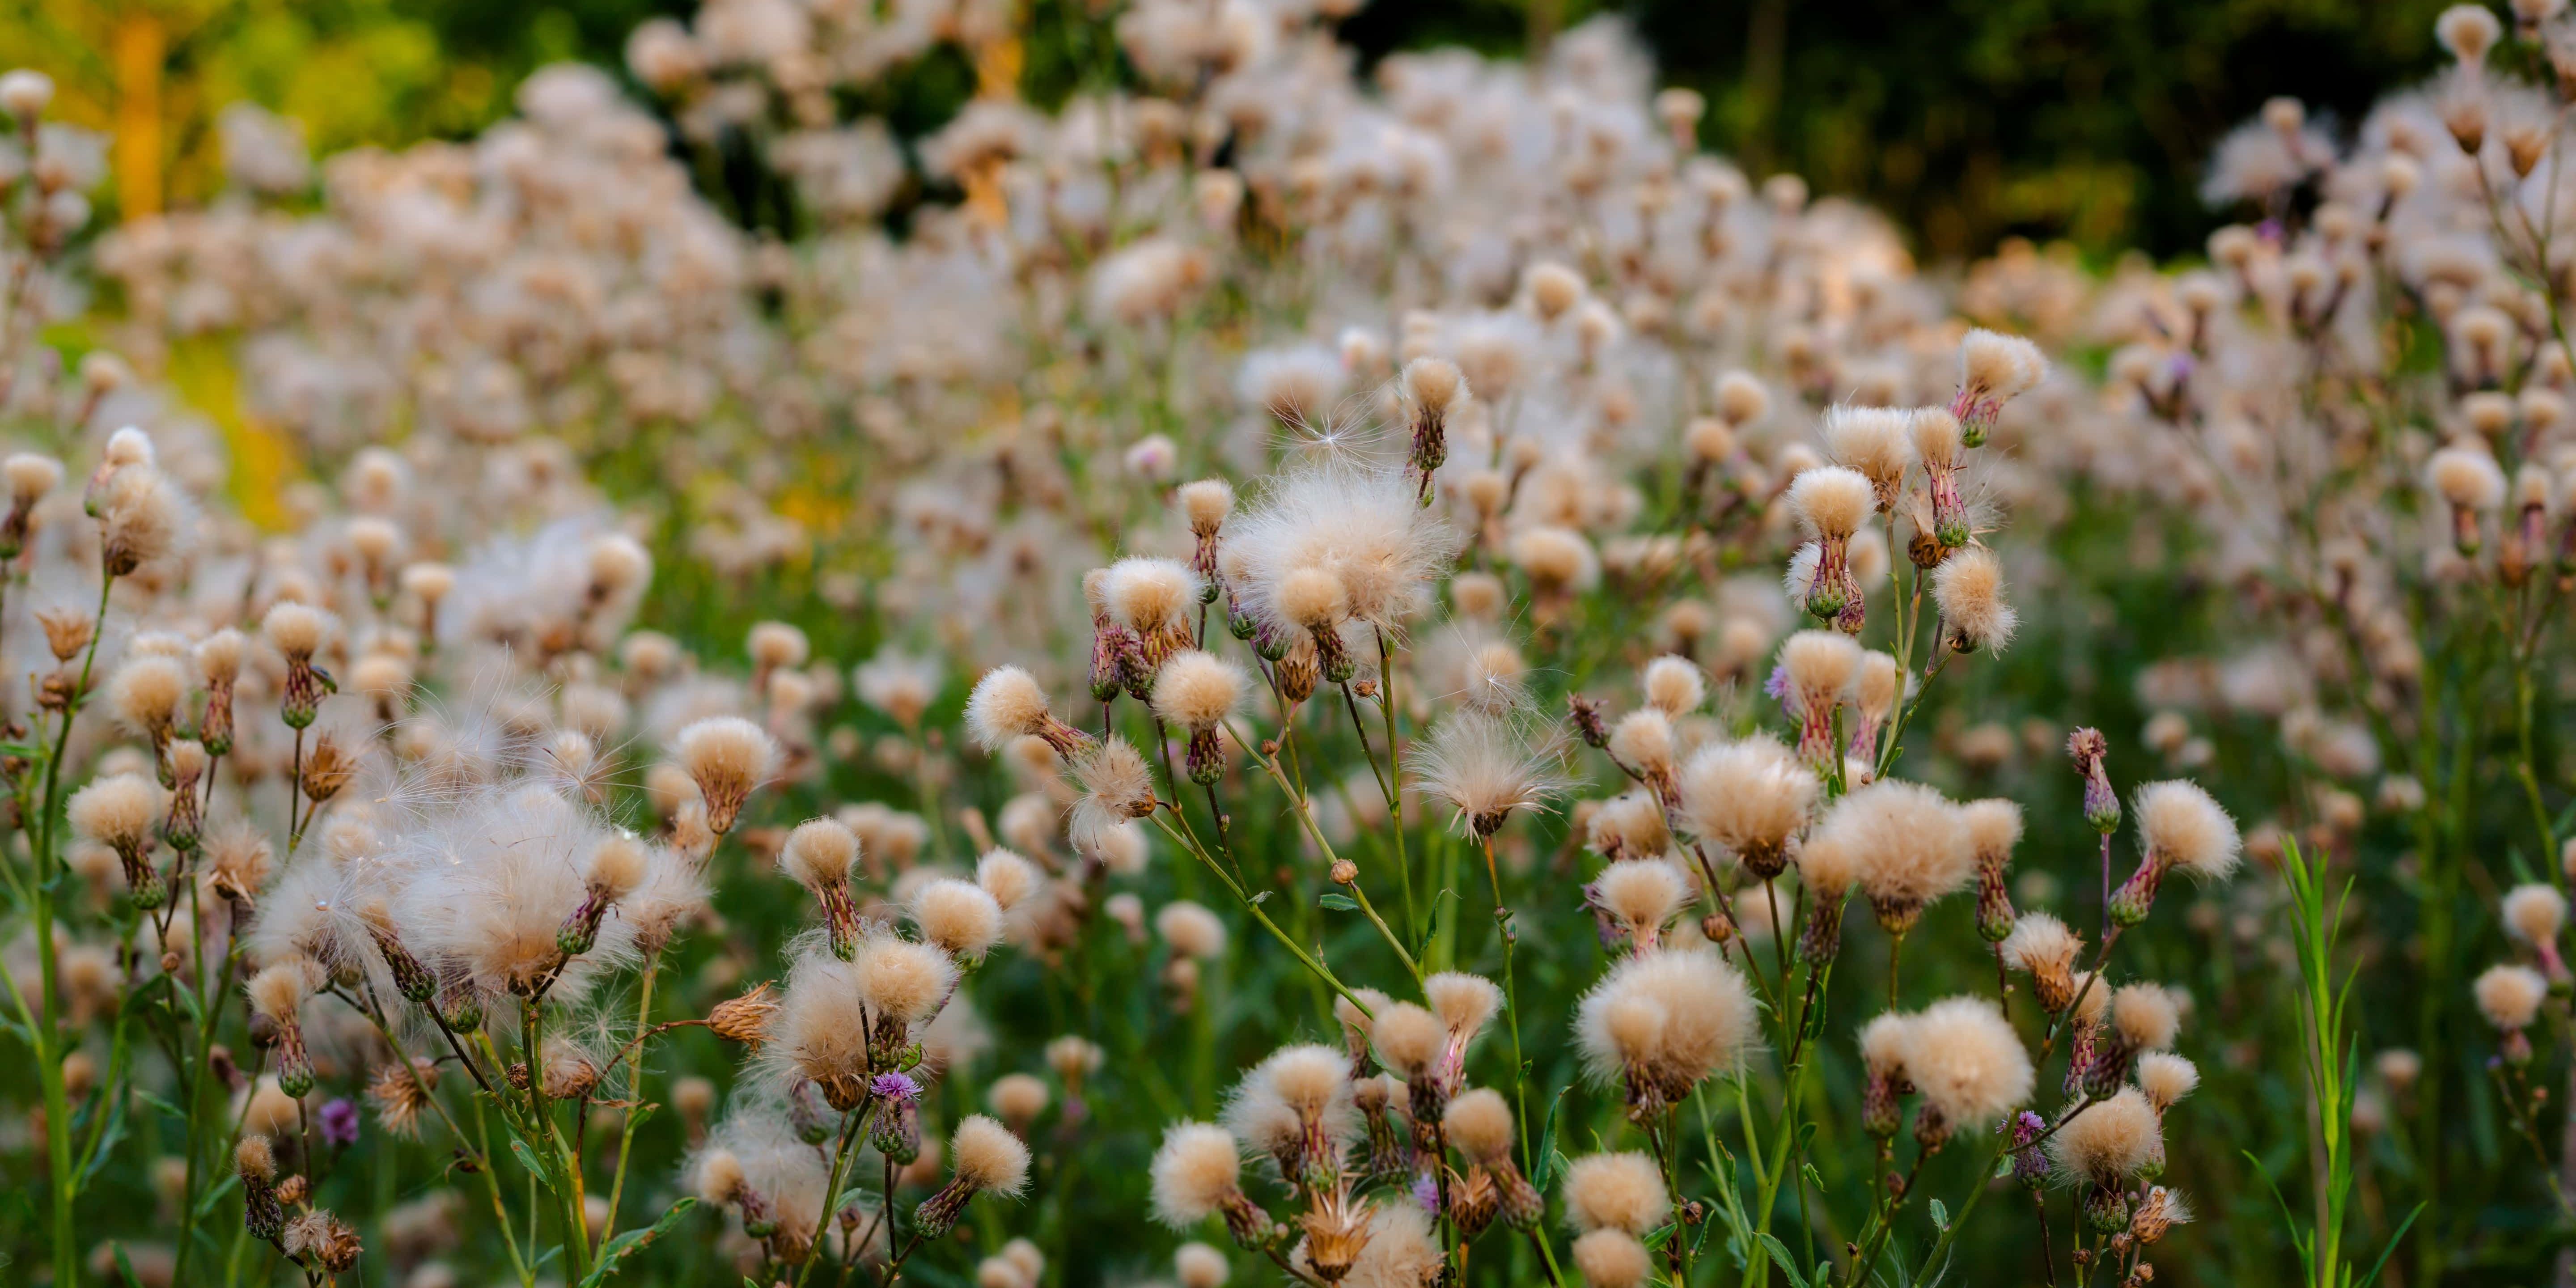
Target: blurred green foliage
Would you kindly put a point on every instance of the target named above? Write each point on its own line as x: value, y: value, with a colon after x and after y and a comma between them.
x: 1967, y: 120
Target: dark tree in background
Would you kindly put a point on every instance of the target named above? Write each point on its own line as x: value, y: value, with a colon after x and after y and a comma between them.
x: 1968, y: 120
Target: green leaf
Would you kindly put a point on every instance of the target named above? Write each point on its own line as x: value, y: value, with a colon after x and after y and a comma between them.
x: 1337, y: 901
x: 2385, y: 1253
x: 125, y: 1268
x: 155, y: 1100
x: 627, y: 1244
x: 1940, y: 1215
x: 528, y: 1159
x: 1548, y: 1159
x: 214, y: 1195
x: 1780, y: 1257
x: 108, y: 1136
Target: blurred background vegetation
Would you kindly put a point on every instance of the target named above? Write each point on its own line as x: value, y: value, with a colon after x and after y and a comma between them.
x: 1969, y: 120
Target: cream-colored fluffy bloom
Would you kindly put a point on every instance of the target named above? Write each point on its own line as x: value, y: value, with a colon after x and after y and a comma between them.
x: 2109, y: 1141
x: 2510, y: 996
x: 2180, y: 824
x: 1966, y: 1061
x: 1616, y: 1191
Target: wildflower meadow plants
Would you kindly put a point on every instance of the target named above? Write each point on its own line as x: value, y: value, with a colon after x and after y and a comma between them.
x: 1276, y: 675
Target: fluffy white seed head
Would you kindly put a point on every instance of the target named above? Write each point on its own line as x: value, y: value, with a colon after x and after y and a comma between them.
x: 116, y: 811
x: 2109, y: 1141
x: 2467, y: 477
x: 2510, y: 996
x: 2534, y: 913
x: 1616, y: 1191
x: 1821, y: 663
x: 1434, y: 384
x: 819, y: 853
x: 1007, y: 877
x: 296, y: 630
x: 1409, y: 1038
x: 1831, y: 502
x: 1479, y: 1123
x: 2041, y: 943
x: 1464, y: 1003
x: 1205, y: 505
x: 2166, y: 1078
x: 1196, y: 690
x: 1994, y: 365
x: 2184, y: 826
x: 958, y: 916
x: 2468, y: 31
x: 1197, y: 1265
x: 1148, y: 595
x: 1609, y: 1258
x: 1640, y: 894
x: 1190, y: 929
x: 1673, y: 685
x: 1910, y: 845
x: 1873, y: 441
x: 987, y: 1156
x: 1937, y: 437
x: 2148, y: 1016
x: 1750, y: 795
x: 1968, y: 588
x: 1962, y: 1055
x: 1678, y: 1016
x: 1007, y: 703
x: 1196, y: 1168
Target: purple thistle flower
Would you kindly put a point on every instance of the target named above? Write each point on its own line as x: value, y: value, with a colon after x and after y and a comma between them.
x: 340, y: 1123
x: 2029, y: 1165
x: 1426, y: 1192
x: 897, y: 1087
